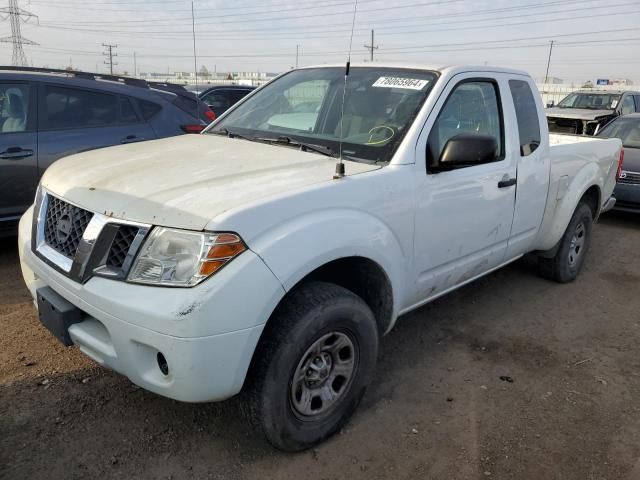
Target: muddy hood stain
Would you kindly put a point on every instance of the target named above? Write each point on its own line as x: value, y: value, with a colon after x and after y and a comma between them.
x: 185, y: 181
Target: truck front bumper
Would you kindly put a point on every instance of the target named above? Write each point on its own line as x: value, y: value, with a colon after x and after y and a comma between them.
x: 206, y: 334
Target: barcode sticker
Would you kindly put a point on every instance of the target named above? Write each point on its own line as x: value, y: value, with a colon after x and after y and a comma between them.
x: 399, y: 82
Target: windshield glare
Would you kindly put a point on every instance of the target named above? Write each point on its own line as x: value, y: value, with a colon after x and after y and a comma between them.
x: 594, y: 101
x: 306, y: 106
x: 626, y: 129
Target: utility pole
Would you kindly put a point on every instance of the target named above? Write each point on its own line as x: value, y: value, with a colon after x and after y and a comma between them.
x: 108, y: 53
x: 16, y: 16
x: 135, y: 66
x: 297, y: 50
x: 193, y: 31
x: 546, y: 75
x: 371, y: 47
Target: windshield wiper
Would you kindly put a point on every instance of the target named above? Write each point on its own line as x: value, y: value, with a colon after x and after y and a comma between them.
x: 284, y: 140
x: 224, y: 131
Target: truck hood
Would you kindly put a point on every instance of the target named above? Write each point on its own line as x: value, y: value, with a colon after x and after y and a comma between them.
x: 186, y: 181
x: 577, y: 113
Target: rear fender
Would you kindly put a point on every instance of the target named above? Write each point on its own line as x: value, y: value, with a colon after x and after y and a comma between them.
x: 562, y: 201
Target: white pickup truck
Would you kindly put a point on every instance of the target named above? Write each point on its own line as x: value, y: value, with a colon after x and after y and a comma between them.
x: 235, y: 260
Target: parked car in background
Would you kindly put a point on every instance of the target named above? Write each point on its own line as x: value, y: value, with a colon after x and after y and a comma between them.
x: 627, y: 191
x: 220, y: 97
x: 195, y: 89
x: 584, y: 112
x: 47, y: 114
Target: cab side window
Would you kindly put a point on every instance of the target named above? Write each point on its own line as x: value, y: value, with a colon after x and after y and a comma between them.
x: 473, y: 107
x: 627, y: 105
x: 14, y: 107
x: 74, y: 108
x: 527, y: 116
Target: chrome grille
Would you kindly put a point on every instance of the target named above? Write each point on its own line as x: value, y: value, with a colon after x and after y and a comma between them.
x: 64, y: 226
x: 81, y: 244
x: 564, y: 125
x: 630, y: 178
x: 121, y: 245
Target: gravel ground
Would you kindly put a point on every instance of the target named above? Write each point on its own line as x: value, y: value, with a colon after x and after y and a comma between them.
x: 512, y: 376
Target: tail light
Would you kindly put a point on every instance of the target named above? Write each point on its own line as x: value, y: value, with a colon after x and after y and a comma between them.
x: 210, y: 114
x: 196, y: 128
x: 620, y: 164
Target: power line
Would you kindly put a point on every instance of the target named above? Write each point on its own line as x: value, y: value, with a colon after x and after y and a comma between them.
x: 402, y: 28
x: 218, y: 15
x: 441, y: 47
x: 108, y: 53
x: 16, y: 16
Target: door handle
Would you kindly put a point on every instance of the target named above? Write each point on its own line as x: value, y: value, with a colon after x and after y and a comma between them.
x: 15, y: 153
x: 507, y: 182
x: 131, y: 139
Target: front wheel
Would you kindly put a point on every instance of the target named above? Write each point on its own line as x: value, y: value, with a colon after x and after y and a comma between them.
x: 565, y: 265
x: 312, y: 365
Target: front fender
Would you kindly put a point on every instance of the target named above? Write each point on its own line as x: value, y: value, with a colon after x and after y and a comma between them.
x: 564, y: 195
x: 300, y: 245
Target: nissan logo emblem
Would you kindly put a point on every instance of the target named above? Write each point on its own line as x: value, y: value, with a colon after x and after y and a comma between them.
x: 63, y: 227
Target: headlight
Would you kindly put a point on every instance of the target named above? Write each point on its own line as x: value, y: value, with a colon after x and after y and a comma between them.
x: 182, y: 259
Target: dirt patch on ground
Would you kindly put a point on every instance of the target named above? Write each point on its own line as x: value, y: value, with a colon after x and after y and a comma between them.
x: 511, y: 377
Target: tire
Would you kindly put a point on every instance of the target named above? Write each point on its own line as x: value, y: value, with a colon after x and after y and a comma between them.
x: 322, y: 339
x: 574, y: 245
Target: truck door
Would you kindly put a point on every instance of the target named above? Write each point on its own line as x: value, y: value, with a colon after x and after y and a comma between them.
x: 463, y: 216
x: 533, y: 165
x: 18, y: 149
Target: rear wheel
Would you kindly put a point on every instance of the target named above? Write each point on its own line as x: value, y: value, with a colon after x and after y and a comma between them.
x: 565, y: 265
x: 312, y: 366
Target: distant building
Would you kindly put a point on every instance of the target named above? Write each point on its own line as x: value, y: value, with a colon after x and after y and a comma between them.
x: 620, y: 81
x: 211, y: 78
x: 550, y: 80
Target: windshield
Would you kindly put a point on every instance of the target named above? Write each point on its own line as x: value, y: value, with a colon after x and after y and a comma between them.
x: 305, y: 106
x: 626, y: 129
x: 593, y: 101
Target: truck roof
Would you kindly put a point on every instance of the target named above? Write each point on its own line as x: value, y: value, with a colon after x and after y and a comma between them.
x: 431, y: 67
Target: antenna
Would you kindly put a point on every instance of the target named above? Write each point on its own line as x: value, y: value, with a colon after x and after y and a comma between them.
x: 340, y: 166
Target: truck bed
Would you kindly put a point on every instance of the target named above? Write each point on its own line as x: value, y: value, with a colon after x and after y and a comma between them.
x: 574, y: 157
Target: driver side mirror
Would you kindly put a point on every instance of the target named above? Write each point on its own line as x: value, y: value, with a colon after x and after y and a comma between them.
x: 465, y: 150
x: 551, y: 104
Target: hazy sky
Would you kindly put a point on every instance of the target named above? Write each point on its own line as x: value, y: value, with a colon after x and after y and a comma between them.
x: 592, y: 39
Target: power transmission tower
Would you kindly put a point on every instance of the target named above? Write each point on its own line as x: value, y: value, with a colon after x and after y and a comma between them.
x: 371, y: 47
x: 16, y: 16
x: 108, y: 53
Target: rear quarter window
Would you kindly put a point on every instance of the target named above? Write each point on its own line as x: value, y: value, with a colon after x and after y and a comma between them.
x: 527, y: 116
x: 127, y: 111
x: 186, y: 104
x: 148, y: 109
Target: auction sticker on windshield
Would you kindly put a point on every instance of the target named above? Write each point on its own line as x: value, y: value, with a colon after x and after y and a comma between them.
x: 399, y: 82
